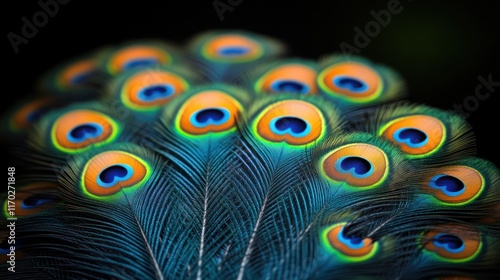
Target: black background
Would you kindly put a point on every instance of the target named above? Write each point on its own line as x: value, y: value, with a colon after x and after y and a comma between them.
x: 439, y: 48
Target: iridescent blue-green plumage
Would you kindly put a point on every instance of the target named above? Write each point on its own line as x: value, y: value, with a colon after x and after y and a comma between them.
x: 224, y: 160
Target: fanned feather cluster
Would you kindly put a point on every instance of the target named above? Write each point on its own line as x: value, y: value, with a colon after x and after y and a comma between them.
x: 225, y: 159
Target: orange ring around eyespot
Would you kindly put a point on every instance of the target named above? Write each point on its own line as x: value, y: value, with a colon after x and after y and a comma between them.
x: 205, y: 100
x: 291, y: 108
x: 29, y: 190
x: 431, y: 126
x: 337, y: 244
x: 355, y: 70
x: 468, y: 235
x: 470, y: 177
x: 107, y: 159
x: 294, y: 72
x: 210, y: 49
x: 19, y: 120
x: 68, y: 121
x: 132, y: 87
x: 75, y: 69
x: 376, y: 157
x: 122, y: 56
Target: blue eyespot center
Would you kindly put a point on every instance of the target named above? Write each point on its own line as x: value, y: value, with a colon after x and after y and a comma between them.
x: 154, y: 92
x: 450, y: 242
x: 412, y: 137
x: 356, y: 166
x: 233, y: 51
x: 36, y: 114
x: 85, y: 131
x: 351, y: 84
x: 205, y: 115
x: 37, y: 200
x: 210, y: 116
x: 83, y: 77
x: 449, y: 185
x: 140, y: 62
x: 294, y: 126
x: 111, y: 175
x: 289, y: 86
x: 354, y: 242
x: 354, y: 239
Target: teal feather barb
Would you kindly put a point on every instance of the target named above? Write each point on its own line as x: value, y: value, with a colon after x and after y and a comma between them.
x: 224, y: 159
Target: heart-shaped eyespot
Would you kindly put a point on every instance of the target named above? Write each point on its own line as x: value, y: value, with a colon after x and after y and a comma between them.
x: 37, y: 200
x: 210, y: 116
x: 114, y: 174
x: 289, y: 86
x: 84, y: 132
x: 450, y: 242
x: 293, y: 126
x: 349, y: 83
x: 348, y: 247
x: 449, y: 185
x: 111, y: 172
x: 155, y: 92
x: 356, y: 166
x: 453, y: 242
x: 412, y: 137
x: 140, y: 62
x: 233, y: 50
x: 294, y: 122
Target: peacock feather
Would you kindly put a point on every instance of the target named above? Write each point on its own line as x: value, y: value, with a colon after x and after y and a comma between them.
x: 224, y: 159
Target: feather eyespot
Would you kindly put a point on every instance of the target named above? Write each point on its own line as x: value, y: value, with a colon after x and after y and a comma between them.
x: 352, y: 248
x: 295, y: 122
x: 209, y: 111
x: 295, y: 78
x: 109, y: 172
x: 354, y: 81
x: 148, y: 90
x: 455, y: 185
x: 417, y: 135
x: 34, y: 198
x: 77, y: 130
x: 232, y: 48
x: 358, y: 165
x: 77, y: 73
x: 29, y: 113
x: 452, y: 243
x: 137, y: 56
